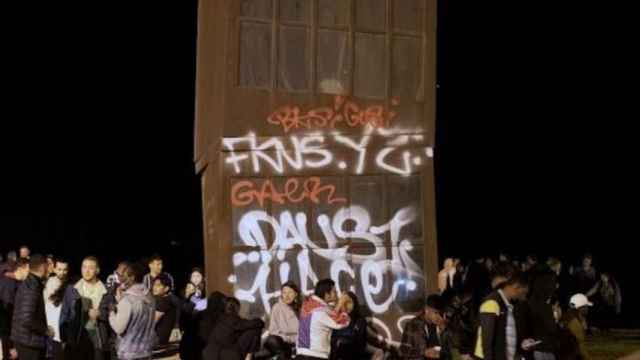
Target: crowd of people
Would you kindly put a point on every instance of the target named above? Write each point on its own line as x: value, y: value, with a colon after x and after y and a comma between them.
x: 490, y: 309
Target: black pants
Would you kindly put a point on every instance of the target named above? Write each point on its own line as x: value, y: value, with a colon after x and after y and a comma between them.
x: 28, y: 353
x: 275, y: 345
x: 302, y: 357
x: 7, y: 345
x: 248, y: 342
x: 85, y: 349
x: 57, y: 352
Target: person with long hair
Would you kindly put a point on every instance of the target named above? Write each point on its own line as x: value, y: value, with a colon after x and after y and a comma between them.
x: 192, y: 315
x: 283, y: 324
x: 196, y: 287
x: 351, y: 342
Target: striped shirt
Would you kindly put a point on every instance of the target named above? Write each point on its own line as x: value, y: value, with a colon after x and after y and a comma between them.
x: 512, y: 333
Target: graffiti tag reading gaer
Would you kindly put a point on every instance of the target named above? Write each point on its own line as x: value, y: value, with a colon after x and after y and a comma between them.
x: 246, y: 192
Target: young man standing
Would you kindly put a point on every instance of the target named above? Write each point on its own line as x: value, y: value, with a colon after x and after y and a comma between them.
x: 133, y: 318
x: 424, y: 337
x: 498, y: 335
x: 586, y: 276
x: 109, y: 302
x: 9, y: 282
x: 166, y: 311
x: 61, y: 269
x: 156, y: 265
x: 29, y: 328
x: 318, y: 317
x: 91, y: 291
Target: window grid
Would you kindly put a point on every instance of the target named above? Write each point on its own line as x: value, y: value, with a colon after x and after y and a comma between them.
x: 353, y: 30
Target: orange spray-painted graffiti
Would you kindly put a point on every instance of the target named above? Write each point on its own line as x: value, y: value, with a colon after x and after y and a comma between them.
x: 245, y: 192
x: 343, y: 111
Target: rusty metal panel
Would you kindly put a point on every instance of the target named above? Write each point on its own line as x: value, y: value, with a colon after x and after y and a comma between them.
x: 319, y: 153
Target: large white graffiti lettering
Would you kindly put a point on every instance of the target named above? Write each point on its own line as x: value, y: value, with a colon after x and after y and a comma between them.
x: 319, y: 151
x: 370, y: 271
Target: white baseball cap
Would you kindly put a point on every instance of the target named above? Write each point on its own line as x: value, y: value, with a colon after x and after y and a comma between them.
x: 579, y: 300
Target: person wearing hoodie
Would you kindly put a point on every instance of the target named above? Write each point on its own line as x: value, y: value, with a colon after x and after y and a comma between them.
x: 132, y: 319
x: 543, y: 322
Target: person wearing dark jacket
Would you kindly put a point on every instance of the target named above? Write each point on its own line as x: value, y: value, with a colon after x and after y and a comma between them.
x: 425, y: 337
x: 109, y: 302
x: 29, y: 328
x: 499, y: 335
x: 543, y: 322
x: 233, y: 337
x: 215, y: 309
x: 586, y: 276
x: 83, y: 327
x: 191, y: 344
x: 479, y: 279
x: 9, y: 281
x: 461, y: 316
x: 351, y: 342
x: 166, y: 311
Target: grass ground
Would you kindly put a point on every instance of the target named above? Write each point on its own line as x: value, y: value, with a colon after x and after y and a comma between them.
x: 614, y: 346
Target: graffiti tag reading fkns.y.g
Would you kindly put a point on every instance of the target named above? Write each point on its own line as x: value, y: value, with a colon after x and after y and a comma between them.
x: 317, y: 152
x: 245, y: 192
x: 344, y: 111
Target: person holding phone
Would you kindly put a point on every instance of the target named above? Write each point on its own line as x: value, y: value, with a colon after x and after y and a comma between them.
x: 426, y: 336
x: 498, y: 337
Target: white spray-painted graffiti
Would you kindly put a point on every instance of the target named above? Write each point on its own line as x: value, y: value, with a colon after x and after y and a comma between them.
x: 281, y: 154
x: 370, y: 270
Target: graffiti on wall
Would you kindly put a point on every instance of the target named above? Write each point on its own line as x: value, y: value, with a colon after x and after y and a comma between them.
x: 294, y: 191
x: 343, y: 112
x: 368, y: 271
x: 284, y: 154
x: 363, y: 231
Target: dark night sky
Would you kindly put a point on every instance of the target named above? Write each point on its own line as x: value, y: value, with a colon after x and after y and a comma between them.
x: 528, y: 156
